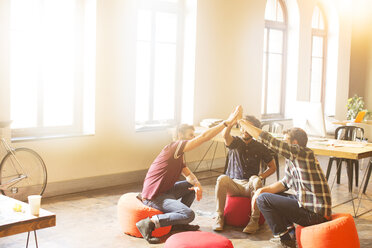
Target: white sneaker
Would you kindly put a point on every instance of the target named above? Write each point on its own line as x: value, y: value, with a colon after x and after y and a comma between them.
x: 218, y: 225
x: 284, y: 243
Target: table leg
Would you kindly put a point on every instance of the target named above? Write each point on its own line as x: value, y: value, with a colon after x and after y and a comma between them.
x: 338, y: 169
x: 214, y: 154
x: 205, y: 154
x: 360, y: 194
x: 36, y: 239
x: 28, y: 238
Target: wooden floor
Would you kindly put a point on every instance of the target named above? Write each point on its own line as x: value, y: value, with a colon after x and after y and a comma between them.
x: 89, y: 219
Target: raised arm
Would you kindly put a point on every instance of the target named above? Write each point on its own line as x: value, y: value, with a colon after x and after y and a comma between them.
x: 282, y: 147
x: 249, y: 128
x: 226, y: 133
x: 213, y: 131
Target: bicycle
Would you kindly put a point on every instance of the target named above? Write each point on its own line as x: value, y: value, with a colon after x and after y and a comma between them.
x: 22, y: 170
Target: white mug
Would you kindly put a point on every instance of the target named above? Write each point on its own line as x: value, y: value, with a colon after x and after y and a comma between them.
x: 34, y: 202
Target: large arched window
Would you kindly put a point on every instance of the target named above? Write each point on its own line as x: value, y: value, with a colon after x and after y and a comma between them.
x: 164, y: 62
x: 274, y: 59
x: 318, y: 56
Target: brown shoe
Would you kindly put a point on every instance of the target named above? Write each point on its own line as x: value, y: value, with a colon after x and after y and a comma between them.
x: 252, y: 226
x: 218, y: 225
x: 185, y: 227
x: 146, y: 226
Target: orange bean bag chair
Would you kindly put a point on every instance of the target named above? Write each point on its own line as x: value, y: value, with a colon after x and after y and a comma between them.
x: 131, y: 210
x: 238, y: 211
x: 197, y: 239
x: 336, y: 233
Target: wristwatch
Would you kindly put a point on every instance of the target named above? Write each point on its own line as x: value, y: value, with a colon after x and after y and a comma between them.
x: 261, y: 178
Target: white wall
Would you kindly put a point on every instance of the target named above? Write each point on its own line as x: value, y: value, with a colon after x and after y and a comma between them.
x: 4, y: 62
x: 228, y: 72
x: 361, y: 52
x: 228, y: 57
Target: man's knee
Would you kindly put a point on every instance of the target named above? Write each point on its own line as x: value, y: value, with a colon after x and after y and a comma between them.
x: 255, y: 182
x: 223, y: 180
x: 189, y: 215
x: 261, y: 200
x: 191, y: 195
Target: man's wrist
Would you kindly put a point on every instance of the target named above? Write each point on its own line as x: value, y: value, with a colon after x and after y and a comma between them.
x: 197, y: 184
x: 260, y: 177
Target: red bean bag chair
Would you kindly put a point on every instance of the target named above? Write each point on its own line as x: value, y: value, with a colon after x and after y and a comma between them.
x: 197, y: 239
x: 131, y: 210
x: 336, y: 233
x: 238, y: 211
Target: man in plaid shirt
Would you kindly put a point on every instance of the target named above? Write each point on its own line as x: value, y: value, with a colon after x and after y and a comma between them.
x: 312, y: 203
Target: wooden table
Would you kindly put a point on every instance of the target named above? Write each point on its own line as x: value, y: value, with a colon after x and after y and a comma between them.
x: 348, y: 150
x: 341, y: 148
x: 12, y: 222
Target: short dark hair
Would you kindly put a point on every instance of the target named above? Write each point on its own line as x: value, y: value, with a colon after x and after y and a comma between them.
x: 253, y: 120
x: 182, y: 128
x: 298, y: 134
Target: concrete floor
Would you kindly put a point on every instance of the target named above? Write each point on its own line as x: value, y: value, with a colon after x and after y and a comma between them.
x: 89, y: 219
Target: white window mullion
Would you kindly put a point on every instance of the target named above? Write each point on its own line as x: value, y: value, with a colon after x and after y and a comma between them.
x: 179, y: 60
x: 152, y: 66
x: 266, y: 71
x: 79, y: 62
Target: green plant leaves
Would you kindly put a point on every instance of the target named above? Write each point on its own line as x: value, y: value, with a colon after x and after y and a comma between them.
x: 354, y: 106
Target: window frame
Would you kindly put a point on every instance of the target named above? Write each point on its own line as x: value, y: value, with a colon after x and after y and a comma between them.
x: 282, y: 26
x: 76, y: 127
x: 315, y: 32
x: 178, y: 8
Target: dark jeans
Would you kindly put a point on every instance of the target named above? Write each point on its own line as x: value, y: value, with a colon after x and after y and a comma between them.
x: 282, y: 210
x: 175, y: 211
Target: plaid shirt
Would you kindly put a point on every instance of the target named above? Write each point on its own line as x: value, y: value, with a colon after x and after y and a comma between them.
x: 303, y: 174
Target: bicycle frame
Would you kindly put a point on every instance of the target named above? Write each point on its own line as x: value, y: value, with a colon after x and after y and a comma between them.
x: 21, y: 176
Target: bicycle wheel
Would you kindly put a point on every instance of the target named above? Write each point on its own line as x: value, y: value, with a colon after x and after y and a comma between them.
x: 19, y: 163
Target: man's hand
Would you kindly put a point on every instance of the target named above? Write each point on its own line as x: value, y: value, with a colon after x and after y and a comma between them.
x: 198, y: 191
x: 234, y: 116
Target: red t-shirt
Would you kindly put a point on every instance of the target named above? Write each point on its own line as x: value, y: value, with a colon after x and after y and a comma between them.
x: 165, y: 170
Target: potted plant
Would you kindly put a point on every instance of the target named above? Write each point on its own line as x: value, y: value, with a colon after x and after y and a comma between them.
x: 354, y: 105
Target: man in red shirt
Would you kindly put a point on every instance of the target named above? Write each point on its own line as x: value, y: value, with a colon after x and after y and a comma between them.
x: 161, y: 189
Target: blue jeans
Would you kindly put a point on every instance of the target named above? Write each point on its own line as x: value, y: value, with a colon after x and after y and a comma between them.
x: 175, y: 211
x: 282, y: 210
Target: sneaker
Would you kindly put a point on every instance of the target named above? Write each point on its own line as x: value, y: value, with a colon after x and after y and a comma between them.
x: 252, y: 227
x: 185, y: 227
x: 146, y: 226
x: 292, y: 233
x: 218, y: 225
x: 283, y: 243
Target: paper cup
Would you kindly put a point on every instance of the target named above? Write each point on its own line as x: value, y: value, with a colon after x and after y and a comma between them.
x: 34, y: 203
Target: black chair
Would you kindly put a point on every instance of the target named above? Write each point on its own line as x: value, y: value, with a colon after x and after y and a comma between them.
x: 273, y: 127
x: 263, y: 167
x: 351, y: 133
x: 368, y: 176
